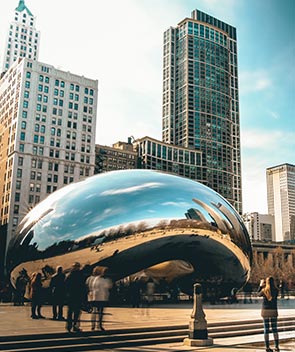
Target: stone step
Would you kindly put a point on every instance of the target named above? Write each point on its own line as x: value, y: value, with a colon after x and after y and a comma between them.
x: 87, y: 341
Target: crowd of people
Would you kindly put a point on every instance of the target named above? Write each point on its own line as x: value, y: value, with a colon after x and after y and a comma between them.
x: 75, y: 290
x: 91, y: 292
x: 78, y: 290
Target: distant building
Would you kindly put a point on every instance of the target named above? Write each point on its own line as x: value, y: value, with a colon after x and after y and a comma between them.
x: 23, y: 38
x: 121, y: 156
x: 201, y: 100
x: 281, y: 199
x: 148, y: 153
x: 261, y: 227
x: 47, y: 135
x: 178, y: 160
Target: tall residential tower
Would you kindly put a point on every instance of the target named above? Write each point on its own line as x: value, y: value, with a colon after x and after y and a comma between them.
x: 23, y: 39
x: 281, y: 199
x: 47, y: 136
x: 201, y: 99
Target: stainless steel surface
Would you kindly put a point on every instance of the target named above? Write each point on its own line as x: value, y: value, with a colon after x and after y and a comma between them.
x: 134, y: 220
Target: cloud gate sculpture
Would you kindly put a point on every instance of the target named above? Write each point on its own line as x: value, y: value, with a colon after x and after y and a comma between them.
x: 134, y: 220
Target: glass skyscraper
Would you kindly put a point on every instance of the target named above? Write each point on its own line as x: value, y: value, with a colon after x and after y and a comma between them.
x: 280, y: 181
x: 201, y: 99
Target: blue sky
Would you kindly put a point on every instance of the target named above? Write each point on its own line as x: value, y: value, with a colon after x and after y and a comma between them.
x: 119, y: 43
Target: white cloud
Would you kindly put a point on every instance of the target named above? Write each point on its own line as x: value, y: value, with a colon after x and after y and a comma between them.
x: 258, y: 139
x: 177, y: 204
x: 133, y: 189
x: 274, y: 115
x: 254, y: 81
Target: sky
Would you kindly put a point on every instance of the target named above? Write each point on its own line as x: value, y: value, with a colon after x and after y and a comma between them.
x: 119, y: 43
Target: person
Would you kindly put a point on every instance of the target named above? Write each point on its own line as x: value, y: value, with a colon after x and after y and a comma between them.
x: 20, y: 287
x: 233, y: 295
x: 75, y: 291
x: 98, y: 295
x: 150, y: 290
x: 36, y: 296
x: 57, y: 288
x: 269, y: 312
x: 135, y: 293
x: 282, y: 287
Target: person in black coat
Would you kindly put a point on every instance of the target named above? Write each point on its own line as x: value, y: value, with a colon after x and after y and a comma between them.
x: 57, y: 288
x: 36, y: 296
x: 75, y: 289
x: 269, y: 311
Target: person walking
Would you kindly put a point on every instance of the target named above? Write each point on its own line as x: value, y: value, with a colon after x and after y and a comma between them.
x: 57, y: 288
x: 98, y: 295
x: 269, y: 312
x: 36, y: 296
x: 75, y: 291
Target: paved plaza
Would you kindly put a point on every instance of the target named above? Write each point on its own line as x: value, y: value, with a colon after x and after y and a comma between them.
x: 16, y: 321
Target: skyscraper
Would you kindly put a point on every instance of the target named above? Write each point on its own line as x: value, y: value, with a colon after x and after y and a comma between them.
x: 23, y: 39
x: 47, y: 135
x: 201, y: 99
x: 281, y: 199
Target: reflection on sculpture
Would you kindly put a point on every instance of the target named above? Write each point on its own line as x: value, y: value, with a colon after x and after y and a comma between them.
x: 173, y: 227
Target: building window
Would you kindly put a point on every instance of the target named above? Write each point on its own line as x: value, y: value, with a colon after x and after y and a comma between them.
x: 20, y: 161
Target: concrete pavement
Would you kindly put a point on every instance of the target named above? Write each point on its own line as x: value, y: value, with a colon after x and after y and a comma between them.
x: 16, y: 321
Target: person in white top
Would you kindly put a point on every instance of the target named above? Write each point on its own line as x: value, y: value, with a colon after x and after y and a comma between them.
x: 98, y: 295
